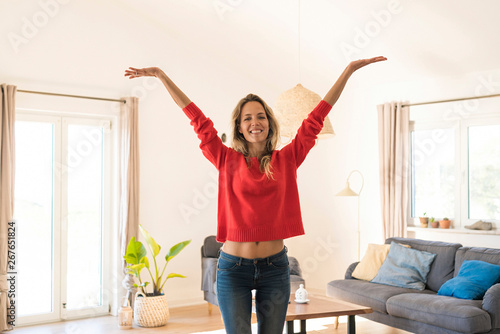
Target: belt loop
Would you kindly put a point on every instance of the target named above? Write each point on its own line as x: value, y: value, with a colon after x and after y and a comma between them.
x: 239, y: 261
x: 218, y: 253
x: 286, y: 249
x: 268, y: 260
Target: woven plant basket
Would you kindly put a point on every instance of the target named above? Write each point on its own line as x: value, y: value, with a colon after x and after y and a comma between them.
x: 150, y: 311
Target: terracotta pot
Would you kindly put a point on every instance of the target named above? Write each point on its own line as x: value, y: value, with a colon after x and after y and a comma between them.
x: 424, y: 221
x: 444, y: 223
x: 435, y: 224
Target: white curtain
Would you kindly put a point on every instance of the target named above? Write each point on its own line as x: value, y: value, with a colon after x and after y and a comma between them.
x: 7, y: 163
x: 394, y: 147
x: 129, y: 182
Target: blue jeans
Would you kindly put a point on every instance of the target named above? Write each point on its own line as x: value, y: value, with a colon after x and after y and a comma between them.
x: 237, y: 277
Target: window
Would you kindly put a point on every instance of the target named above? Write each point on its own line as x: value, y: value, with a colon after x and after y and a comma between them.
x: 433, y: 176
x: 62, y: 208
x: 455, y: 169
x: 484, y: 171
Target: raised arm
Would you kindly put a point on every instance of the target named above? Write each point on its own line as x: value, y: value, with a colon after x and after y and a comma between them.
x: 312, y: 125
x: 211, y: 145
x: 334, y: 93
x: 179, y: 97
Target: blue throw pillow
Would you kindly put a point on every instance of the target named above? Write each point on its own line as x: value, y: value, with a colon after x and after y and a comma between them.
x: 405, y: 267
x: 473, y: 280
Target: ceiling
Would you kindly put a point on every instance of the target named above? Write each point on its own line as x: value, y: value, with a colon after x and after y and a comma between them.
x: 90, y: 42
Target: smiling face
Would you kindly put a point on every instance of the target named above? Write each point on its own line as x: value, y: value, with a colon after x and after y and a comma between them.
x: 255, y: 129
x: 254, y: 125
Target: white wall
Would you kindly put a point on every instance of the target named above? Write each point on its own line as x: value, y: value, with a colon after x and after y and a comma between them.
x: 217, y: 58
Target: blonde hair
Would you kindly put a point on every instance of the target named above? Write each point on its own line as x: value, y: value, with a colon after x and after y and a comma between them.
x: 240, y: 144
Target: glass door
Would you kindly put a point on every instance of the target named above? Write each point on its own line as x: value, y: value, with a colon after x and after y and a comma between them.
x: 62, y: 209
x: 36, y: 211
x: 84, y: 194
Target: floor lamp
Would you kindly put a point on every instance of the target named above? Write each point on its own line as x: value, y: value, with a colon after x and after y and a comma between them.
x: 347, y: 191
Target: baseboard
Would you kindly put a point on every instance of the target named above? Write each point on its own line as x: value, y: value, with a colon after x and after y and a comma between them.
x: 186, y: 302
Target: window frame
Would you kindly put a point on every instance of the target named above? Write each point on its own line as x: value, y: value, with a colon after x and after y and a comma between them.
x: 464, y: 138
x: 460, y: 126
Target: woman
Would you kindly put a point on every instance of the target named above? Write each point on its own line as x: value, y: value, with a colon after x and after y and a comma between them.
x: 258, y: 200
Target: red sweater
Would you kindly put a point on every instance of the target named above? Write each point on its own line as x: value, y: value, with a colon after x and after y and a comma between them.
x: 252, y: 207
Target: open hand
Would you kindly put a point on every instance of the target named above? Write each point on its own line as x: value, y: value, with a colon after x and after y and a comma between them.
x: 133, y: 72
x: 357, y: 64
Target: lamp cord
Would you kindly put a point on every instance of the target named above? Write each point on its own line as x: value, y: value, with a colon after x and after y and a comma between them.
x: 299, y: 39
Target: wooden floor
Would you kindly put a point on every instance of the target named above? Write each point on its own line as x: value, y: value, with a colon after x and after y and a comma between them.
x: 194, y: 319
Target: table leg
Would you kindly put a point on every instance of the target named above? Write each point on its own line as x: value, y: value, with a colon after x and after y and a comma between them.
x: 351, y: 324
x: 303, y: 327
x: 290, y: 329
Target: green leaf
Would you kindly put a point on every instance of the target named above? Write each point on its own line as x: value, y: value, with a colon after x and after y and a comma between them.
x: 172, y: 275
x: 145, y: 261
x: 135, y: 272
x: 145, y: 284
x: 176, y: 249
x: 153, y: 246
x: 135, y: 252
x: 136, y: 268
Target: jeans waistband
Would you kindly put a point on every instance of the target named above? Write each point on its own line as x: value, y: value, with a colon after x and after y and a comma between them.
x: 245, y: 261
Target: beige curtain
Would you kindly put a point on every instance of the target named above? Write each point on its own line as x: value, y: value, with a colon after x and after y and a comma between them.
x: 394, y: 146
x: 7, y: 160
x: 129, y: 182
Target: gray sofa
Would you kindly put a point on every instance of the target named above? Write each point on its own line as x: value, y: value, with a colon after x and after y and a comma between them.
x: 425, y: 311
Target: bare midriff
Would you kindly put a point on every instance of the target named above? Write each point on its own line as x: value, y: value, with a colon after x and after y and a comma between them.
x: 253, y: 250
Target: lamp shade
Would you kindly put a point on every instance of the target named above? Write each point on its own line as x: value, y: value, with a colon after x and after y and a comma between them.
x: 347, y: 191
x: 293, y: 106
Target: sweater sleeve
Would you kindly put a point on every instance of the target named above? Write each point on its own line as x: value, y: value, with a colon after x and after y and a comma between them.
x: 308, y: 133
x: 211, y: 145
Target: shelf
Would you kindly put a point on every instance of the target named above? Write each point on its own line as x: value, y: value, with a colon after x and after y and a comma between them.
x: 460, y: 230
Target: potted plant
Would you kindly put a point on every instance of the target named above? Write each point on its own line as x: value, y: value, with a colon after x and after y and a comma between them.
x: 424, y: 221
x: 150, y: 309
x: 444, y: 223
x: 434, y: 222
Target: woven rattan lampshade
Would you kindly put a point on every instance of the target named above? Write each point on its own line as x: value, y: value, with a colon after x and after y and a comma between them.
x: 293, y: 106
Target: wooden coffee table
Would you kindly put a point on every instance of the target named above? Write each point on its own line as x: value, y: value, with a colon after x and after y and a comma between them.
x: 322, y: 307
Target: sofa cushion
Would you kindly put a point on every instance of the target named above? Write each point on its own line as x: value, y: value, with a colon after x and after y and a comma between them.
x: 404, y: 267
x: 366, y: 293
x: 473, y: 280
x: 444, y: 264
x: 371, y: 262
x: 464, y: 316
x: 489, y: 255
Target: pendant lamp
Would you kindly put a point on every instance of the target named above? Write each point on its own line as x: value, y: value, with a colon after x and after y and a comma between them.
x: 293, y: 105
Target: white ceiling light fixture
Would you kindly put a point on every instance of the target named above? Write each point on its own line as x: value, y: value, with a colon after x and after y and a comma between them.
x: 293, y: 105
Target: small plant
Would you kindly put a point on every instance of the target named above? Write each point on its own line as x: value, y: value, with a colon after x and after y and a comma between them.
x: 445, y: 223
x: 424, y: 221
x: 432, y: 219
x: 137, y: 260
